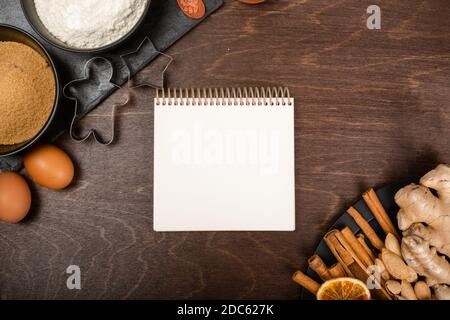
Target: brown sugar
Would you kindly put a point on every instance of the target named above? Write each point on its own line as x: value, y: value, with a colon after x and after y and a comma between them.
x: 27, y: 92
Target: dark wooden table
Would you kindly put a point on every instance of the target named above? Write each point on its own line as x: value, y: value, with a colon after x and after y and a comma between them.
x: 372, y: 108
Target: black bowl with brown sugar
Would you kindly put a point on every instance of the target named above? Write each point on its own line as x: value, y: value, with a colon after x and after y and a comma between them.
x: 29, y: 90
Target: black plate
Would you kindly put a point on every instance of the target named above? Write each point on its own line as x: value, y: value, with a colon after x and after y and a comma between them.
x: 386, y: 195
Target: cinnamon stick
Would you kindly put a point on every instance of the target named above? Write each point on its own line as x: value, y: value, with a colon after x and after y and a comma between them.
x: 359, y: 250
x: 337, y: 271
x: 374, y: 204
x: 319, y: 267
x: 341, y: 255
x: 356, y: 269
x: 366, y: 228
x: 306, y: 282
x: 349, y: 249
x: 363, y: 242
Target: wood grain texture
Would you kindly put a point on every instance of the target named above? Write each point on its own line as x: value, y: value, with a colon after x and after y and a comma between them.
x: 371, y: 108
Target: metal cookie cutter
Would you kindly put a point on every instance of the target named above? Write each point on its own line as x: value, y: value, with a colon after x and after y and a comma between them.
x: 87, y: 76
x: 127, y: 61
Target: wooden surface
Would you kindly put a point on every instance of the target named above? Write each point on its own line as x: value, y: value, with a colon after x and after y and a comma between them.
x: 372, y: 108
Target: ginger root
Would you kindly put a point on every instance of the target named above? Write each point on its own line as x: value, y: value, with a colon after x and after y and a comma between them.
x: 438, y: 237
x: 419, y: 205
x: 425, y: 261
x: 424, y: 219
x: 441, y: 292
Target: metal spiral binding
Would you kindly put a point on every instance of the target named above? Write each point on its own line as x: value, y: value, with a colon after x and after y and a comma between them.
x: 270, y: 96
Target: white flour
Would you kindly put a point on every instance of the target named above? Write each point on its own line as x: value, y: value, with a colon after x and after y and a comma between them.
x: 89, y: 24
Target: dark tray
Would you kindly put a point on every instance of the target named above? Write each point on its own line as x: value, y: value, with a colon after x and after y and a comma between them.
x: 164, y: 25
x: 386, y: 195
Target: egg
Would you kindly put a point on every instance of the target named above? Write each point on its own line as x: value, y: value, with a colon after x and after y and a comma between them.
x: 49, y: 167
x: 15, y: 197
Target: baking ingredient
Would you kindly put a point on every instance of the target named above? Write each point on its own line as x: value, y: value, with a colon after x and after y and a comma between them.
x: 422, y: 258
x: 27, y: 92
x: 419, y: 205
x: 362, y: 240
x: 306, y: 282
x: 366, y: 228
x: 337, y: 271
x: 441, y: 292
x: 342, y: 256
x: 194, y: 9
x: 349, y: 247
x: 343, y: 289
x: 357, y: 247
x: 396, y: 267
x: 425, y: 221
x: 437, y: 233
x: 15, y: 197
x: 89, y: 24
x: 408, y: 291
x: 392, y: 244
x: 378, y: 211
x: 319, y: 267
x: 393, y: 287
x: 49, y: 167
x: 422, y: 290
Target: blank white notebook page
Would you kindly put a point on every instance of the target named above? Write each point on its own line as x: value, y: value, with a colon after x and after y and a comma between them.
x: 224, y: 167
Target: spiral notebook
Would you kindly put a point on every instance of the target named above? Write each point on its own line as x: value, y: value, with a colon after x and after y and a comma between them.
x: 224, y: 160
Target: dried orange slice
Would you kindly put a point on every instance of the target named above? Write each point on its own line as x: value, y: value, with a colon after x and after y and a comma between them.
x: 343, y: 289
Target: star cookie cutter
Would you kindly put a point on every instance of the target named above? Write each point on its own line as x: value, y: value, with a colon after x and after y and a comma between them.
x: 86, y: 79
x: 133, y: 72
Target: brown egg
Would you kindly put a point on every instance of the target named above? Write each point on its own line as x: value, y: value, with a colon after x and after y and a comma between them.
x: 49, y: 167
x: 15, y: 197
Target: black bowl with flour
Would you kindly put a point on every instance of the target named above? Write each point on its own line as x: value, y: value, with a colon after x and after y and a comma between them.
x: 32, y: 16
x: 13, y: 34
